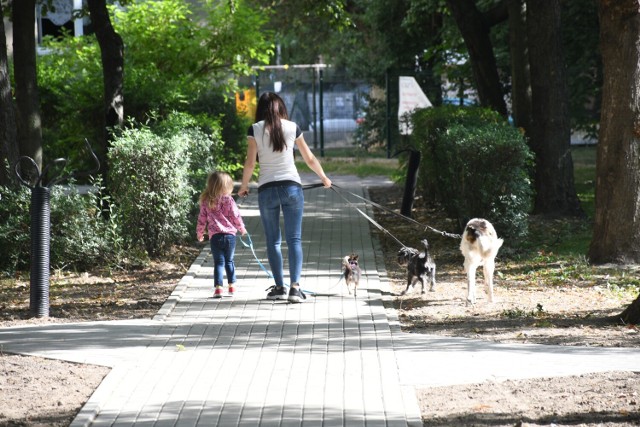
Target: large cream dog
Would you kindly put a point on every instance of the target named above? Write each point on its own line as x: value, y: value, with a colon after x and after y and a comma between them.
x: 479, y: 246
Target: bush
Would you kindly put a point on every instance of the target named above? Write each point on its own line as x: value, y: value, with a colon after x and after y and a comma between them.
x: 80, y: 237
x: 149, y: 183
x: 202, y: 138
x: 14, y: 228
x: 428, y: 126
x: 477, y: 166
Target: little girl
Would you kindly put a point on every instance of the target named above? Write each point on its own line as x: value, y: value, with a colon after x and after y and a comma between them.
x: 219, y: 212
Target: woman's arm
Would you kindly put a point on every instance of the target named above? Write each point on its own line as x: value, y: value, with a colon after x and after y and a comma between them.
x: 249, y: 166
x: 312, y: 161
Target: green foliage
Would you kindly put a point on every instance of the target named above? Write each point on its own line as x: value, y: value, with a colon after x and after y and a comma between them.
x: 303, y: 28
x: 14, y: 228
x: 175, y: 55
x: 71, y: 92
x: 80, y: 236
x: 229, y: 126
x: 149, y: 182
x: 428, y: 126
x: 172, y: 54
x: 204, y: 150
x: 476, y: 165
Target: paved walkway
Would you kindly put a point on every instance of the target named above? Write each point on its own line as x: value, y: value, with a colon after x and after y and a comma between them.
x: 334, y: 360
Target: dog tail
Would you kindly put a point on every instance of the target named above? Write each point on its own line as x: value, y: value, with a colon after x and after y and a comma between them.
x: 490, y: 246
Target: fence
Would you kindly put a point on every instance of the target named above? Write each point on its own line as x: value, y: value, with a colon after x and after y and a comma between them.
x: 322, y: 101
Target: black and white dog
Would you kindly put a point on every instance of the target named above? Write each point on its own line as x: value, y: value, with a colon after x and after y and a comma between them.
x: 479, y: 246
x: 420, y: 267
x: 351, y: 273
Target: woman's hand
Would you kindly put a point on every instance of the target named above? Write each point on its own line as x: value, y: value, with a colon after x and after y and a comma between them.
x: 326, y: 182
x: 243, y: 191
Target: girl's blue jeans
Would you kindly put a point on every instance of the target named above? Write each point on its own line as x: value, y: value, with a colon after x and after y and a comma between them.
x: 223, y: 247
x: 290, y: 200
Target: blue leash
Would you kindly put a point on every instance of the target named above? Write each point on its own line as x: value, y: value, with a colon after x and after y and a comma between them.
x: 249, y: 245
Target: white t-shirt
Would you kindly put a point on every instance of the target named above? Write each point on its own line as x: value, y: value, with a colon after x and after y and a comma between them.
x: 274, y: 165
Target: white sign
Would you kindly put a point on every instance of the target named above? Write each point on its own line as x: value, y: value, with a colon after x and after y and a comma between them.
x: 61, y: 12
x: 411, y: 98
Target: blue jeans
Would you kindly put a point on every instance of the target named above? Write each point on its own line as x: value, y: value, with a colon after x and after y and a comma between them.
x: 289, y: 199
x: 223, y: 247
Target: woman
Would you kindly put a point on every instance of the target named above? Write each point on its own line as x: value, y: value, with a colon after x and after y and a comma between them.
x: 272, y: 139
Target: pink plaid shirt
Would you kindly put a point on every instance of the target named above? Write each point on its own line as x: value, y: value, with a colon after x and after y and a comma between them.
x: 223, y: 218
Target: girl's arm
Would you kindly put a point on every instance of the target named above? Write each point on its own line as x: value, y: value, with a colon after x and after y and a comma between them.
x: 249, y: 166
x: 312, y: 161
x: 202, y: 222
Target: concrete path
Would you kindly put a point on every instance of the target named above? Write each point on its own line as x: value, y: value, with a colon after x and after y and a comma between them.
x: 334, y: 360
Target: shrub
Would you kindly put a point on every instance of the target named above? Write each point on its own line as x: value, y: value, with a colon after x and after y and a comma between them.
x: 80, y: 236
x: 148, y: 180
x: 14, y: 228
x: 428, y: 126
x: 477, y: 166
x: 204, y: 149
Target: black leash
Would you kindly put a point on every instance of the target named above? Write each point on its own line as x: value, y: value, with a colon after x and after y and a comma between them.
x: 426, y: 227
x: 371, y: 220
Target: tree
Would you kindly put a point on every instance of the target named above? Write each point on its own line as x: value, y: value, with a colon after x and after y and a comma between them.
x: 520, y: 77
x: 112, y: 54
x: 8, y: 141
x: 302, y: 28
x: 550, y: 133
x: 616, y: 229
x: 475, y: 28
x: 26, y: 83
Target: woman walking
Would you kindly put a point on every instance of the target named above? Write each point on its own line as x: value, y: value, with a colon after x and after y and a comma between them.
x: 271, y: 140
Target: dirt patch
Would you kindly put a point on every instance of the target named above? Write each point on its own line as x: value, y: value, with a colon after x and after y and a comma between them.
x: 609, y: 399
x: 42, y: 392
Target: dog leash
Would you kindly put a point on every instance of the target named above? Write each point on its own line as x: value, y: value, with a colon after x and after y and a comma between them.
x: 371, y: 220
x: 372, y: 203
x: 249, y: 244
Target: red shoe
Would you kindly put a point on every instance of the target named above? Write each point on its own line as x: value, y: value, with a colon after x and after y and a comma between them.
x: 218, y: 292
x: 232, y: 290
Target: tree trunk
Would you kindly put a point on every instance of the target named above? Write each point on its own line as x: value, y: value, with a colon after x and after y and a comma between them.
x: 616, y: 233
x: 475, y: 32
x: 520, y: 78
x: 550, y: 133
x: 8, y: 137
x: 631, y: 315
x: 112, y: 54
x: 29, y: 126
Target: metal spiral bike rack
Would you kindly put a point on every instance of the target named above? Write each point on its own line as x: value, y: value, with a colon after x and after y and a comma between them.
x: 40, y: 213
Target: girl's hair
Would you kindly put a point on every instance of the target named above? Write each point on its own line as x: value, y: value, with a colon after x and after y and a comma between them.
x: 218, y: 184
x: 271, y: 109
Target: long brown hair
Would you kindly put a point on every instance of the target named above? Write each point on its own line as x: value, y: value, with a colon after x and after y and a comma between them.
x: 218, y: 184
x: 271, y: 109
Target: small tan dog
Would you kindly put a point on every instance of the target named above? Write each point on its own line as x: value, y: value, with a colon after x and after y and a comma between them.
x: 479, y: 246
